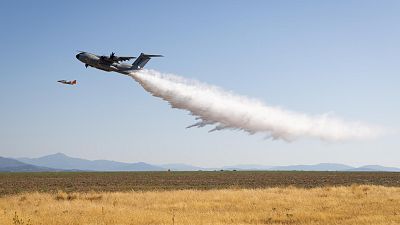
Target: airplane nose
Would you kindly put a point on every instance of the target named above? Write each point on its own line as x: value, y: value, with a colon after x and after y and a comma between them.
x: 77, y: 56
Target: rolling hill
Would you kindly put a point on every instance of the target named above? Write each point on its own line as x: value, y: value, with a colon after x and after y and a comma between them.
x: 375, y: 168
x: 316, y: 167
x: 62, y: 161
x: 12, y: 165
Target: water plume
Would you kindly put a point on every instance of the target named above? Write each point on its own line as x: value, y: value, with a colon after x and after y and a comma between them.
x: 213, y: 106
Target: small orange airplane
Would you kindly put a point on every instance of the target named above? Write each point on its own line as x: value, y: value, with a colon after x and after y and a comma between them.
x: 71, y: 82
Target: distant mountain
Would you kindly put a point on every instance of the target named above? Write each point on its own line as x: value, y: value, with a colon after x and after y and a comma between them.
x: 247, y: 167
x: 376, y: 168
x: 182, y: 167
x: 12, y: 165
x: 316, y: 167
x: 62, y: 161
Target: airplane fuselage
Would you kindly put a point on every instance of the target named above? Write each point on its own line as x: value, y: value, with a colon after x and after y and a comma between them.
x: 72, y: 82
x: 95, y: 61
x: 113, y: 62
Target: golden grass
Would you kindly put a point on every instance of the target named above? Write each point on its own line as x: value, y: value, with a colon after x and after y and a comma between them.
x: 329, y: 205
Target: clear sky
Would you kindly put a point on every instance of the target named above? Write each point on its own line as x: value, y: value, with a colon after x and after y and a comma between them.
x: 306, y: 56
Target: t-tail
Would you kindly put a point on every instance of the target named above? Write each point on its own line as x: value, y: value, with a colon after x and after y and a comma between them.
x: 141, y: 61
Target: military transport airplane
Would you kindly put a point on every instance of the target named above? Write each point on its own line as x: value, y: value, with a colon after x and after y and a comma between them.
x: 113, y: 62
x: 72, y: 82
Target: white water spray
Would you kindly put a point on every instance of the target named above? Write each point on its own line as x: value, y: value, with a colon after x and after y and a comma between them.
x: 214, y: 106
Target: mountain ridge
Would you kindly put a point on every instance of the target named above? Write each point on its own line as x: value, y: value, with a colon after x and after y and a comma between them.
x: 12, y: 165
x: 62, y: 162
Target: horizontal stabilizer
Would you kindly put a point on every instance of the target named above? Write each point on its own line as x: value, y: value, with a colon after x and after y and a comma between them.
x: 153, y: 55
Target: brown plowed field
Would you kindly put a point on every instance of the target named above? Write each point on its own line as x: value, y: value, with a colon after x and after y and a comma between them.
x: 12, y: 183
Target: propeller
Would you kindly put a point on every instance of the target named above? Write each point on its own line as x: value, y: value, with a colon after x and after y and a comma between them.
x: 112, y: 55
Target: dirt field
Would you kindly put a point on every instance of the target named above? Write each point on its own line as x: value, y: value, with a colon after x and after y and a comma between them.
x: 12, y: 183
x: 327, y: 205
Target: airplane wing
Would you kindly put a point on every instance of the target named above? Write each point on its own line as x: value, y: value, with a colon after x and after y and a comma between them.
x: 113, y: 58
x: 121, y: 58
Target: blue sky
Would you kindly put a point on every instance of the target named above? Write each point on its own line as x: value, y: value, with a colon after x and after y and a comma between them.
x: 306, y: 56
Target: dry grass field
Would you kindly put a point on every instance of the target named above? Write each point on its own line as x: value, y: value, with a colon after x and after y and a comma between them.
x: 356, y: 204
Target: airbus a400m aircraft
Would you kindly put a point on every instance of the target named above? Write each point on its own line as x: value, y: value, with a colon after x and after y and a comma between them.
x: 113, y: 62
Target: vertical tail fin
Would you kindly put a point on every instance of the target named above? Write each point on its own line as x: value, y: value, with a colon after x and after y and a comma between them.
x: 74, y: 82
x: 141, y: 61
